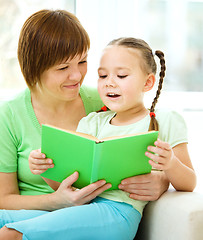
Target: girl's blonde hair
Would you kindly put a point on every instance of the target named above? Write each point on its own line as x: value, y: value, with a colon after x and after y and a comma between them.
x: 47, y: 38
x: 148, y: 65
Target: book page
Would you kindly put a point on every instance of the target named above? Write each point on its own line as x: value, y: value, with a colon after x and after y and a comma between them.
x: 84, y: 135
x: 124, y: 136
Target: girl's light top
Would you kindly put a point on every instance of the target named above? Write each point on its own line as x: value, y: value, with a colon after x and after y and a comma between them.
x: 172, y: 129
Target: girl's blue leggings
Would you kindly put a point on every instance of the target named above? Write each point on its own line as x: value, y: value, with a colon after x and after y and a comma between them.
x: 102, y: 219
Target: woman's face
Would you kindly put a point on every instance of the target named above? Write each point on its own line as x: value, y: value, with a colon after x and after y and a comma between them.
x: 63, y: 81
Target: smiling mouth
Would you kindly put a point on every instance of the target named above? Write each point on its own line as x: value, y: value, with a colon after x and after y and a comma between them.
x: 72, y: 86
x: 113, y: 95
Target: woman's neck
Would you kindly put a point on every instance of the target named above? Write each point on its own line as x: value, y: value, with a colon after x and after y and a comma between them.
x: 63, y: 114
x: 130, y: 116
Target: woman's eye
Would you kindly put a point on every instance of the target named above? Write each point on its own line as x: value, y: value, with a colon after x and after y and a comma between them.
x: 63, y: 68
x: 122, y: 76
x: 82, y: 62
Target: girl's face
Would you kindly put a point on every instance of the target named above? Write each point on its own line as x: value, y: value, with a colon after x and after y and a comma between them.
x: 121, y: 83
x: 63, y: 81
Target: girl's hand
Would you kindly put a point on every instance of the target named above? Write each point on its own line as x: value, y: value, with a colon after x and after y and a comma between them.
x: 67, y: 196
x: 163, y: 156
x: 38, y: 162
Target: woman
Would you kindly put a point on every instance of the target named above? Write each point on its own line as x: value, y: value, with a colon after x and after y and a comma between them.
x: 52, y: 53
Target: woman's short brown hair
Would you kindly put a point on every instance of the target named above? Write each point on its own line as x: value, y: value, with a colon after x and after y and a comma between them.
x: 48, y: 38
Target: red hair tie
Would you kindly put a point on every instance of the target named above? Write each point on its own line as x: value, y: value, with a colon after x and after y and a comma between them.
x: 104, y: 108
x: 152, y: 114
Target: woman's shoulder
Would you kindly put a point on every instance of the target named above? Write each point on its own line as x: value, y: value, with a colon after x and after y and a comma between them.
x: 89, y: 92
x: 14, y: 103
x: 91, y: 99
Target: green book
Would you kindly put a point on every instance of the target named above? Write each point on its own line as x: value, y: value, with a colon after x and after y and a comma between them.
x: 112, y: 159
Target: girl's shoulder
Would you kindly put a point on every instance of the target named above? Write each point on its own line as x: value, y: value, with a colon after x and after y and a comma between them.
x: 94, y: 121
x: 172, y: 127
x: 98, y: 116
x: 169, y: 116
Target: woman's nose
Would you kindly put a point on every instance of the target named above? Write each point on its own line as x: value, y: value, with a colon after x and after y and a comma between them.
x: 75, y: 74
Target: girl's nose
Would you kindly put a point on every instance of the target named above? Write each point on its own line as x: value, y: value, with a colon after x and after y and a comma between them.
x: 110, y: 82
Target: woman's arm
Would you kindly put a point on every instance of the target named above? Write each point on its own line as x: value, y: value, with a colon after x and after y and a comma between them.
x: 146, y: 187
x: 10, y: 197
x: 65, y: 196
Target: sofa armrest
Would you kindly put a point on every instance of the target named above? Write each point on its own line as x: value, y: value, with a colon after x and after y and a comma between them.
x: 176, y: 215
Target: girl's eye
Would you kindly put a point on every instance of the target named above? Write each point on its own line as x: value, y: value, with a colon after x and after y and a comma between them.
x: 122, y: 76
x: 102, y: 76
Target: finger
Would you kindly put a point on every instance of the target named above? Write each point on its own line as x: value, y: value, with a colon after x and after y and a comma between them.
x: 131, y: 187
x: 37, y: 172
x: 155, y: 165
x: 156, y: 158
x: 97, y: 192
x: 91, y: 188
x: 142, y: 198
x: 40, y: 161
x: 41, y: 167
x: 70, y: 179
x: 143, y: 192
x: 163, y: 145
x: 37, y: 154
x: 145, y: 178
x: 158, y: 150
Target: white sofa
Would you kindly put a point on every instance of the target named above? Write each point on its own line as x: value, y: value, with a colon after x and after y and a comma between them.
x: 175, y: 216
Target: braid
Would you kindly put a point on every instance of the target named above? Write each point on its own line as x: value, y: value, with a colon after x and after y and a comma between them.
x: 153, y: 123
x: 148, y: 65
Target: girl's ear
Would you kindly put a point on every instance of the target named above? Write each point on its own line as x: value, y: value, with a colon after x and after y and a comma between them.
x: 149, y: 84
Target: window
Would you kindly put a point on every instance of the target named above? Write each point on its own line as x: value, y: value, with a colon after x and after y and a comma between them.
x: 175, y: 27
x: 13, y: 14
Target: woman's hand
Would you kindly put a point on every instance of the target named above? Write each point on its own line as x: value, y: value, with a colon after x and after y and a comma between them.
x: 149, y: 187
x: 67, y: 196
x: 146, y: 187
x: 38, y: 162
x: 161, y: 156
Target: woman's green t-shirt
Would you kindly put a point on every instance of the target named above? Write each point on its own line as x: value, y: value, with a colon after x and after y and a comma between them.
x: 20, y: 133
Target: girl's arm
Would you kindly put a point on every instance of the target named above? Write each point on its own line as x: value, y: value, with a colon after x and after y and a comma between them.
x: 176, y: 164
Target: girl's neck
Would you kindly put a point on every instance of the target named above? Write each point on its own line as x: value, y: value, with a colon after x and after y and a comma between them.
x: 129, y: 117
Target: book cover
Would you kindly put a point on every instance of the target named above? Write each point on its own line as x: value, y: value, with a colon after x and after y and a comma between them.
x: 112, y: 159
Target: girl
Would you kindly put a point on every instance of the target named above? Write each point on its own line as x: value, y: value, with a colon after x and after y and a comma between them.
x: 127, y: 70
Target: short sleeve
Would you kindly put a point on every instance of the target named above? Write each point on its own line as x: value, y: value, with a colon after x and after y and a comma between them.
x: 172, y: 127
x: 8, y: 141
x: 89, y: 124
